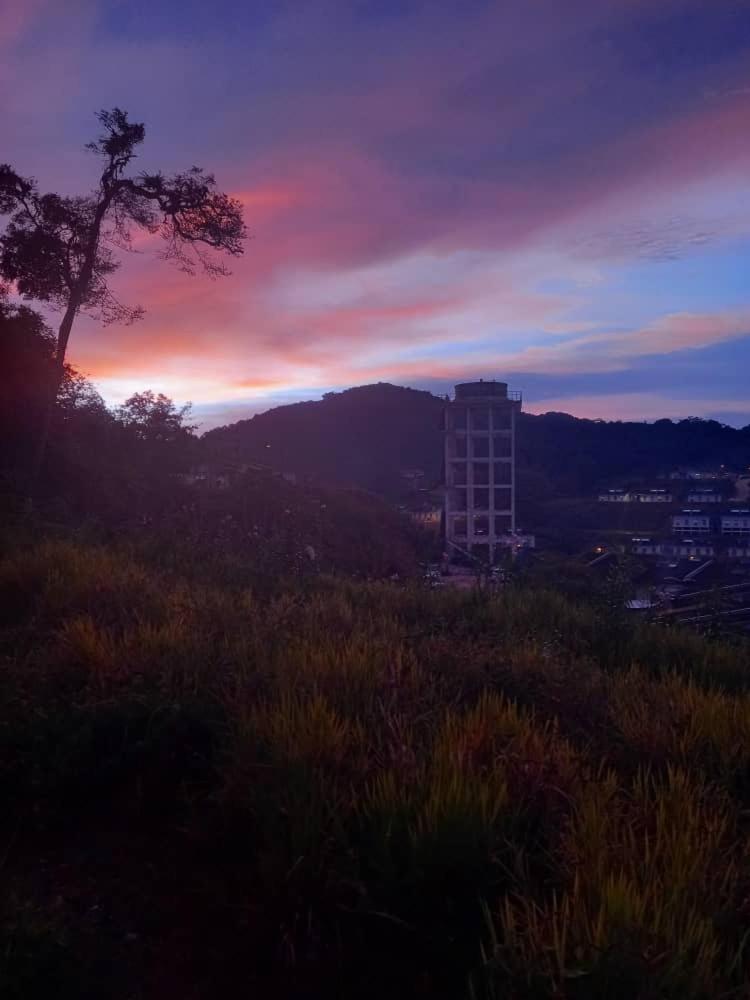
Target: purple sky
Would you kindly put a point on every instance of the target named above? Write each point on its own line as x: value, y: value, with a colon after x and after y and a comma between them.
x: 557, y: 194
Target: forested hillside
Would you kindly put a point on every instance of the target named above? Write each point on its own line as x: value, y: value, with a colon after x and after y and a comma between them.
x: 367, y: 435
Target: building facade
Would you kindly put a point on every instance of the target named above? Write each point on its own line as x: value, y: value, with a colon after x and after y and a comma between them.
x: 653, y: 496
x: 615, y: 496
x: 704, y: 496
x: 736, y: 522
x: 693, y: 521
x: 480, y: 502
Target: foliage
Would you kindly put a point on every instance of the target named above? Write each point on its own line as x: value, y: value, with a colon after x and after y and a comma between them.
x: 61, y: 250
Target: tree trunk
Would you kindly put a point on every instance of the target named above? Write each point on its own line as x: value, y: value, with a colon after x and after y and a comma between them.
x: 63, y: 335
x: 77, y: 296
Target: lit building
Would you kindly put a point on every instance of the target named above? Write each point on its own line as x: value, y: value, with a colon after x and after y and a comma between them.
x: 690, y: 548
x: 704, y: 496
x: 615, y: 496
x: 653, y: 496
x: 428, y: 517
x: 693, y: 521
x: 646, y: 547
x: 736, y: 522
x: 480, y: 504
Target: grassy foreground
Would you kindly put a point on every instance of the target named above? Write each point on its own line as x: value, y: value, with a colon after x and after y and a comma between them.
x: 346, y: 789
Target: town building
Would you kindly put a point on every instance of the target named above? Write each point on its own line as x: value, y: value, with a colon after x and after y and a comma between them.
x: 427, y: 517
x: 704, y: 496
x: 480, y: 504
x: 653, y: 496
x: 694, y: 521
x: 736, y: 522
x: 689, y: 547
x: 646, y: 546
x: 615, y: 496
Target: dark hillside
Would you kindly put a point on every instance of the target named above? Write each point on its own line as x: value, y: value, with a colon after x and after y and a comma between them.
x: 366, y: 435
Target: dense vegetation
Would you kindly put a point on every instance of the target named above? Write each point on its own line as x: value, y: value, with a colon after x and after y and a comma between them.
x: 333, y: 788
x: 368, y: 435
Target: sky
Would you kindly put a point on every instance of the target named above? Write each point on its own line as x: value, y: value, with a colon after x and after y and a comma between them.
x: 556, y: 194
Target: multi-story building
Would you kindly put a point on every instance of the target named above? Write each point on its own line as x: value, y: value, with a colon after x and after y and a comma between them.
x: 736, y: 522
x: 653, y: 496
x: 704, y: 496
x: 480, y: 504
x: 693, y: 521
x: 647, y: 546
x: 689, y: 547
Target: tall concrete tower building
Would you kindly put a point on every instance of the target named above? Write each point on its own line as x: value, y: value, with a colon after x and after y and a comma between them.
x: 480, y: 469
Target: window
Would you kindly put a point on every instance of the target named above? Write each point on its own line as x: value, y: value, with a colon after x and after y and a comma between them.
x: 482, y: 498
x: 480, y: 447
x: 481, y: 524
x: 502, y: 523
x: 481, y: 473
x: 501, y: 446
x: 480, y: 419
x: 459, y: 473
x: 460, y: 447
x: 501, y: 418
x: 458, y: 499
x: 502, y: 499
x: 501, y: 473
x: 459, y: 527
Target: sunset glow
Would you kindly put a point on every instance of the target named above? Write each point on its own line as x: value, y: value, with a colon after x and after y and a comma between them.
x: 560, y: 196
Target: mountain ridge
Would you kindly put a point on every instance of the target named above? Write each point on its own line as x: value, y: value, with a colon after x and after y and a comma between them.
x: 367, y: 435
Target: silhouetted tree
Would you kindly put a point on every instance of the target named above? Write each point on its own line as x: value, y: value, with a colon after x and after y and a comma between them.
x: 62, y: 250
x: 157, y: 432
x: 154, y: 417
x: 27, y: 363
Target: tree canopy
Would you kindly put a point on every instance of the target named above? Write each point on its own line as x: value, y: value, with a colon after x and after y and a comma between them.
x: 62, y: 250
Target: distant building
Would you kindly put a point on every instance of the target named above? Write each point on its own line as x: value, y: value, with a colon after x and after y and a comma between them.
x: 704, y: 496
x: 646, y: 546
x: 673, y: 549
x: 689, y: 547
x: 736, y: 522
x: 429, y: 517
x: 615, y: 496
x: 693, y: 521
x: 653, y: 496
x: 480, y: 503
x: 739, y: 551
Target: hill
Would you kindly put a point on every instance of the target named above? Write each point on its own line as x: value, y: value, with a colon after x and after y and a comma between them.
x: 365, y: 436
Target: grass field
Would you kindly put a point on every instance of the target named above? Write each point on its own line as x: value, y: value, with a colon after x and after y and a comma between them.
x: 347, y: 789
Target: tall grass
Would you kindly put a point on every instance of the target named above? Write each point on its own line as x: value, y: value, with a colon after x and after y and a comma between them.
x: 369, y: 788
